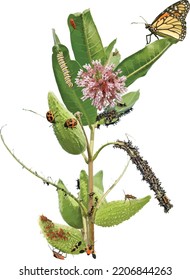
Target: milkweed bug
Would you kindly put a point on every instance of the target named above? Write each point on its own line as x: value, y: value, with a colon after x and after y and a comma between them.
x: 58, y: 255
x: 129, y: 196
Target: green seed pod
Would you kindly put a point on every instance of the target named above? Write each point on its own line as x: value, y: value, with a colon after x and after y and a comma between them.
x: 64, y: 238
x: 116, y: 212
x: 66, y: 128
x: 69, y: 208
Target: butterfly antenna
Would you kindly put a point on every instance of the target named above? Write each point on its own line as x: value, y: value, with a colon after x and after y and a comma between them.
x: 144, y: 19
x: 140, y: 22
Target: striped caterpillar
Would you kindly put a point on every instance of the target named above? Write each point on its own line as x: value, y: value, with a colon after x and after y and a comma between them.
x: 64, y: 69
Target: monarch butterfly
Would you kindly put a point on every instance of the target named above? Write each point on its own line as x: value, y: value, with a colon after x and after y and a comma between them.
x: 170, y: 23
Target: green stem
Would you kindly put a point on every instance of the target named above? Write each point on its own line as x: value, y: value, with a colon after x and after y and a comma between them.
x: 103, y: 146
x: 92, y: 134
x: 85, y: 158
x: 84, y: 230
x: 90, y: 189
x: 45, y: 180
x: 90, y: 147
x: 87, y: 143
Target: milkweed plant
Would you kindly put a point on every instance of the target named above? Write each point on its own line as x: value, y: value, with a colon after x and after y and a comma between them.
x: 95, y: 92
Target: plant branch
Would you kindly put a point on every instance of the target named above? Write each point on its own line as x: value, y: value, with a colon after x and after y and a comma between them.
x: 78, y: 115
x: 90, y: 147
x: 109, y: 190
x: 103, y: 146
x: 45, y: 180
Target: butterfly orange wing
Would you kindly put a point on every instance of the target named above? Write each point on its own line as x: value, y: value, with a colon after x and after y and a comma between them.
x: 171, y: 22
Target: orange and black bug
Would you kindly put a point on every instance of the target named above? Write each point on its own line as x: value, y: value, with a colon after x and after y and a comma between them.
x: 50, y: 117
x: 89, y: 250
x: 73, y: 24
x: 70, y: 123
x: 129, y: 196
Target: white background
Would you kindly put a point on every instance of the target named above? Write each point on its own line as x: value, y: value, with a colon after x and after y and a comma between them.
x: 158, y: 125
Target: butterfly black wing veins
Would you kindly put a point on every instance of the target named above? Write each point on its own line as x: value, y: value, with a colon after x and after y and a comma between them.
x: 170, y: 23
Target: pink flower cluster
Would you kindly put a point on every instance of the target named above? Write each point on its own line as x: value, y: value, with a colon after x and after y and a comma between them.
x: 101, y: 84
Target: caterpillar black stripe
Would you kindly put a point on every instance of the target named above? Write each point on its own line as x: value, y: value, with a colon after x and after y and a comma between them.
x: 147, y: 173
x: 64, y: 69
